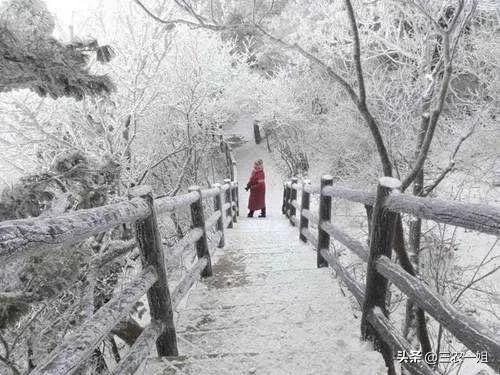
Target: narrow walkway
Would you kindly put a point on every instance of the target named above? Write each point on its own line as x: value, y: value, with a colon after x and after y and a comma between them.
x: 267, y: 309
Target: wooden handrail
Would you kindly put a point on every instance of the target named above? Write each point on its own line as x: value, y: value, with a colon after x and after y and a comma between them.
x: 17, y: 237
x: 479, y: 217
x: 352, y: 244
x: 168, y: 204
x: 471, y: 333
x: 189, y: 238
x: 384, y: 206
x: 129, y: 364
x: 20, y: 236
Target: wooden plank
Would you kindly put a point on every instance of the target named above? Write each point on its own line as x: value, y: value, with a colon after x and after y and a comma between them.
x: 168, y: 204
x: 160, y: 305
x: 115, y: 250
x: 212, y: 220
x: 383, y: 223
x: 189, y: 239
x: 325, y: 215
x: 391, y: 335
x: 26, y: 235
x: 137, y: 353
x: 357, y: 289
x: 480, y: 217
x: 471, y: 333
x: 187, y: 281
x: 198, y: 221
x: 352, y: 244
x: 349, y: 194
x: 77, y: 347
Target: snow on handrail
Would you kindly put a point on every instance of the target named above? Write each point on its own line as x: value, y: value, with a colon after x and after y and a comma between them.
x: 349, y: 194
x: 170, y: 203
x: 20, y: 236
x: 210, y: 193
x: 480, y: 217
x: 470, y: 332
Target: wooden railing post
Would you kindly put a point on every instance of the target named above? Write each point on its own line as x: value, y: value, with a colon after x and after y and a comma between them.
x: 236, y: 189
x: 304, y: 205
x: 283, y: 205
x: 256, y: 133
x: 382, y: 234
x: 218, y: 202
x: 234, y: 209
x: 287, y: 200
x: 293, y: 197
x: 160, y: 304
x: 325, y: 214
x: 198, y: 221
x: 229, y: 211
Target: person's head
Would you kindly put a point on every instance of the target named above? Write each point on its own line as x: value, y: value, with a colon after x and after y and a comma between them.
x: 258, y: 164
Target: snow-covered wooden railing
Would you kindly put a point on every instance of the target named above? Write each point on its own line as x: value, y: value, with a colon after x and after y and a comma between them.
x: 19, y: 237
x: 385, y: 205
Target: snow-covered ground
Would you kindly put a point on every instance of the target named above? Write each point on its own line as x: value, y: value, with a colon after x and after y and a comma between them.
x: 267, y: 309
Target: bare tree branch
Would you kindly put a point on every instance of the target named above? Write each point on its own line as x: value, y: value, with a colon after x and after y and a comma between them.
x: 441, y: 96
x: 451, y: 164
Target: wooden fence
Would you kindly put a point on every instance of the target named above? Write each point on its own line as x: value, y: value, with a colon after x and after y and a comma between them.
x: 18, y: 237
x: 385, y: 205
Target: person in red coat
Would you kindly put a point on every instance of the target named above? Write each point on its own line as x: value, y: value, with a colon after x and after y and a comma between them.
x: 257, y: 186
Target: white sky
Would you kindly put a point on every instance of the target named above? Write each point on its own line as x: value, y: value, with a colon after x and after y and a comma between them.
x: 66, y: 10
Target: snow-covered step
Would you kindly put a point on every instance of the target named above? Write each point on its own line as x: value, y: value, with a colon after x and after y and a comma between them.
x: 307, y: 361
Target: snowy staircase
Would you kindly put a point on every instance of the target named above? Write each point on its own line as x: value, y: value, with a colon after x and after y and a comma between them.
x: 267, y: 310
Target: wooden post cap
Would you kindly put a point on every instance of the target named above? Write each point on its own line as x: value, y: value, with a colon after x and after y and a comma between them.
x: 327, y: 177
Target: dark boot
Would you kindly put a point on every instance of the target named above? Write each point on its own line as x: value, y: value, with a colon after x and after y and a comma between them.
x: 250, y: 213
x: 263, y: 212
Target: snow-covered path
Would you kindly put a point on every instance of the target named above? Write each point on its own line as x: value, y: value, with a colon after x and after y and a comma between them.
x: 267, y: 309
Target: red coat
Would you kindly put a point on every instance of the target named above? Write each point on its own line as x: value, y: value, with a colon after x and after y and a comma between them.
x: 257, y: 199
